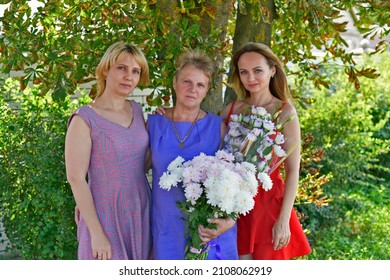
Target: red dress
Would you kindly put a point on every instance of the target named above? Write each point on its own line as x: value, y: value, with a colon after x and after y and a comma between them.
x: 255, y: 228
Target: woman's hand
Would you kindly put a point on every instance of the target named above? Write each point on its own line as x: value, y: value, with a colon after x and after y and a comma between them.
x: 76, y: 215
x: 160, y: 110
x: 281, y: 233
x: 101, y: 247
x: 208, y: 234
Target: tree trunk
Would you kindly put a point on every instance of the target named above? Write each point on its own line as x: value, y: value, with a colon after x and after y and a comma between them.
x: 215, y: 16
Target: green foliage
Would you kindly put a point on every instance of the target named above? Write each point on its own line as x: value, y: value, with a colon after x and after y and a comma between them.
x: 350, y: 129
x: 36, y: 202
x: 351, y: 126
x: 59, y: 46
x: 354, y: 227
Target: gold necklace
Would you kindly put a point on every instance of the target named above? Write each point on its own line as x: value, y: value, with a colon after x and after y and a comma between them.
x: 181, y: 141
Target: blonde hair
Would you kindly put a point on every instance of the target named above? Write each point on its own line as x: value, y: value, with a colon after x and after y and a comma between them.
x: 278, y: 84
x: 197, y: 59
x: 111, y: 56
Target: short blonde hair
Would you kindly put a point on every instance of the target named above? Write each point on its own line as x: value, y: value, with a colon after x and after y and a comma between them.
x: 199, y: 60
x: 111, y: 56
x: 278, y: 84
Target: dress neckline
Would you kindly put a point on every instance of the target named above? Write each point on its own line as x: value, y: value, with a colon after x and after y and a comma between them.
x: 97, y: 114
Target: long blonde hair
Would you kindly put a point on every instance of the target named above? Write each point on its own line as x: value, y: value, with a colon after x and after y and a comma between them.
x: 111, y: 56
x: 278, y: 84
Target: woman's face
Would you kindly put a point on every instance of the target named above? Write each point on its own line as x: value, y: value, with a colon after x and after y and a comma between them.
x: 124, y: 75
x: 255, y: 74
x: 191, y: 85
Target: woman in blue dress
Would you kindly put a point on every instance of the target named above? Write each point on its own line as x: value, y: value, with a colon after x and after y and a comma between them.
x: 186, y: 130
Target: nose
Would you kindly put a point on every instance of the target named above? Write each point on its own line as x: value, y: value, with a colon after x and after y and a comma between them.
x: 128, y: 75
x: 191, y: 87
x: 251, y: 76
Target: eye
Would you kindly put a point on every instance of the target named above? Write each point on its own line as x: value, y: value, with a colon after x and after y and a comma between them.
x: 137, y: 71
x: 243, y: 72
x: 258, y: 71
x: 201, y: 85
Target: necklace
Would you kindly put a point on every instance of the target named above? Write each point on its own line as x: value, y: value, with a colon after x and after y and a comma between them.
x: 269, y: 103
x: 181, y: 141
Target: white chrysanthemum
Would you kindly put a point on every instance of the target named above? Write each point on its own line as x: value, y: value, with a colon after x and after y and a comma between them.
x: 265, y: 180
x: 168, y: 180
x: 212, y: 193
x: 244, y: 203
x: 227, y: 204
x: 175, y: 164
x: 220, y: 154
x: 191, y: 174
x: 279, y: 139
x: 279, y: 151
x: 250, y: 184
x: 249, y: 167
x: 192, y: 192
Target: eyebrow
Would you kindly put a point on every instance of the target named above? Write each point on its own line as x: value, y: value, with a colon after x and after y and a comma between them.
x: 125, y: 65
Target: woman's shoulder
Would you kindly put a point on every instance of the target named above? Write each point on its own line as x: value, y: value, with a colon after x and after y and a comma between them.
x: 212, y: 116
x: 83, y: 112
x: 287, y: 108
x: 135, y: 104
x: 233, y: 107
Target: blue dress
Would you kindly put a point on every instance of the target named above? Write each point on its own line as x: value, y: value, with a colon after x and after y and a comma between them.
x: 168, y: 227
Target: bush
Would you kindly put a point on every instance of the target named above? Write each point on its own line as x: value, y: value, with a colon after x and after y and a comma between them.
x: 35, y: 199
x: 352, y: 127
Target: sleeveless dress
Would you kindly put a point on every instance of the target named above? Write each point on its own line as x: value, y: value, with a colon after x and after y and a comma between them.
x: 168, y: 226
x: 119, y: 187
x: 254, y: 230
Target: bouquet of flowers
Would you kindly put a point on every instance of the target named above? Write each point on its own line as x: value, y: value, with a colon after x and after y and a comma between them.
x: 257, y: 139
x: 214, y: 187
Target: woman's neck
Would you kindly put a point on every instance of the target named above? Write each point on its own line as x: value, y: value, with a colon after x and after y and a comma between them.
x: 260, y: 100
x: 111, y: 103
x: 185, y: 114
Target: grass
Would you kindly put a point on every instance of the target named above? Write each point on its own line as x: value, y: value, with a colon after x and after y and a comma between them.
x: 355, y: 226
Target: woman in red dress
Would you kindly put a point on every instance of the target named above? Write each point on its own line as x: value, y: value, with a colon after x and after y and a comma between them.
x: 271, y: 230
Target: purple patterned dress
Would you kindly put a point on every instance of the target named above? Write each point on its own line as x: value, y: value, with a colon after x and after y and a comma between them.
x: 119, y: 187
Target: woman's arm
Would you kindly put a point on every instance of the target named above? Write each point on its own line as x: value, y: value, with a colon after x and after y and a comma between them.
x: 281, y: 230
x: 77, y: 156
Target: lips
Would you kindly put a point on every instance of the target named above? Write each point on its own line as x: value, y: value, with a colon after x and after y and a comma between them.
x: 126, y: 85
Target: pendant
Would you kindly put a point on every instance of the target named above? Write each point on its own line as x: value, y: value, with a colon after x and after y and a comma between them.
x: 181, y: 145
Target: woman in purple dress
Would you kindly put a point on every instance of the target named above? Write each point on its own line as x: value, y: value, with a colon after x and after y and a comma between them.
x: 186, y: 130
x: 106, y: 142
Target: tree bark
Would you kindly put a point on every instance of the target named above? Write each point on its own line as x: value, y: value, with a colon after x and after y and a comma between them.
x: 215, y: 16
